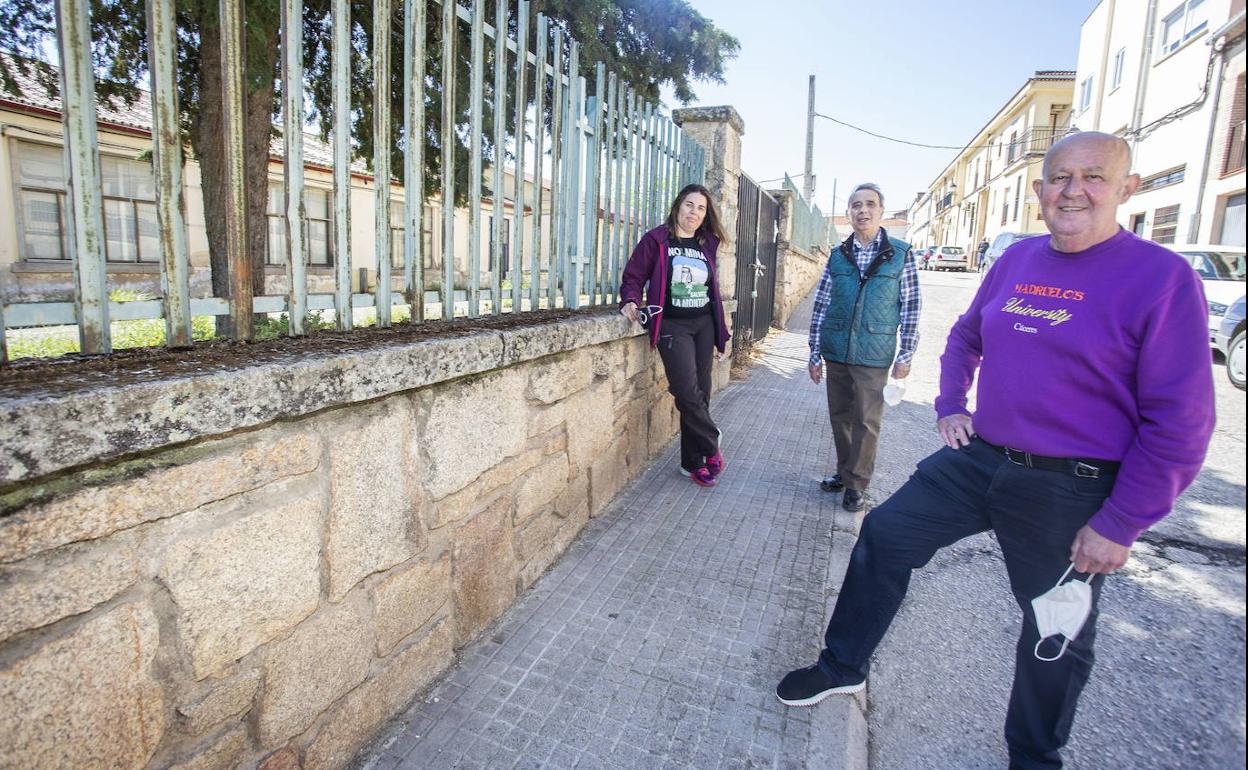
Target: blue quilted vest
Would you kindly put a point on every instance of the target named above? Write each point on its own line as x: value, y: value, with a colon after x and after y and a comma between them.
x: 860, y: 324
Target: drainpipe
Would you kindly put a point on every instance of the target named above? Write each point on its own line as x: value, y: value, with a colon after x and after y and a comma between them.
x: 1219, y: 47
x: 1141, y: 84
x: 1100, y: 81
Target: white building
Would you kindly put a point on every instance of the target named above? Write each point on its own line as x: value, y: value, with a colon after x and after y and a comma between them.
x: 1168, y: 75
x: 986, y: 189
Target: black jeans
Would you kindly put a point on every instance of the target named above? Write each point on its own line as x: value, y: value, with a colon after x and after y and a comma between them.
x: 1035, y: 514
x: 686, y: 346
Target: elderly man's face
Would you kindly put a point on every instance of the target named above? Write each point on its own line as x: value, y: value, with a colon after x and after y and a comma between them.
x: 1085, y: 180
x: 865, y: 211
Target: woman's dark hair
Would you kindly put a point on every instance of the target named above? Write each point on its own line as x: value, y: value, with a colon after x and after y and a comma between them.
x: 710, y: 224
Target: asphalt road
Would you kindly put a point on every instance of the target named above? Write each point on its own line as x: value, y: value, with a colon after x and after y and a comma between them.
x: 1169, y: 687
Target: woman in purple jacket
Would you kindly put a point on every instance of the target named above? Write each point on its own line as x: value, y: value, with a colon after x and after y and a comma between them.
x: 675, y: 265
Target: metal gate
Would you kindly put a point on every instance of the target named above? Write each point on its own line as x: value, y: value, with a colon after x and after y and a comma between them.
x: 757, y: 217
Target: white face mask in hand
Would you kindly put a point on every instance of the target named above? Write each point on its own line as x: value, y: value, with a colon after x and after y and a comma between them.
x: 894, y: 391
x: 1063, y: 609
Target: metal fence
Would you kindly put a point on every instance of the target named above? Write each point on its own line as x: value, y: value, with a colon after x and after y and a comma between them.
x: 613, y: 164
x: 757, y: 218
x: 809, y: 226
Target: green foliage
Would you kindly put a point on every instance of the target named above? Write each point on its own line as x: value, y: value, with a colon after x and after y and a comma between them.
x: 647, y: 43
x: 144, y: 333
x: 274, y: 328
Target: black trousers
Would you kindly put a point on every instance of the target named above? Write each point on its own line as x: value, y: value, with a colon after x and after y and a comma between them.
x: 686, y: 346
x: 1035, y: 514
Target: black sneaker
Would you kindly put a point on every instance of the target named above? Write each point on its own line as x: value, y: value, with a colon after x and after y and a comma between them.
x: 832, y: 484
x: 853, y: 501
x: 808, y: 686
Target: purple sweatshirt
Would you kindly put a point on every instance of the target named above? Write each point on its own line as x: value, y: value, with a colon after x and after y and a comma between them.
x: 1100, y: 354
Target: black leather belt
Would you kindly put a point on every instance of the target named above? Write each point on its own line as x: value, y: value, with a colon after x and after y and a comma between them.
x: 1090, y: 469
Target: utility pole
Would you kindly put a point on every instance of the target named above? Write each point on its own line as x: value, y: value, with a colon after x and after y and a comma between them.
x: 809, y: 177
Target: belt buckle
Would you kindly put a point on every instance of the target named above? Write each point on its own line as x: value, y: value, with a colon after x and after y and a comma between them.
x: 1086, y: 471
x: 1009, y: 455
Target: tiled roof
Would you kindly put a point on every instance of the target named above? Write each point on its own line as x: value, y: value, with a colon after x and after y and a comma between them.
x: 138, y: 116
x: 116, y: 112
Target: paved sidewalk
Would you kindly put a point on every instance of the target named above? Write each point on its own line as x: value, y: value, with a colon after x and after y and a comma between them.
x: 658, y: 638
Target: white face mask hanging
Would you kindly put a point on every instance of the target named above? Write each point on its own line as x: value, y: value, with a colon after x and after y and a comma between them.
x: 1063, y: 609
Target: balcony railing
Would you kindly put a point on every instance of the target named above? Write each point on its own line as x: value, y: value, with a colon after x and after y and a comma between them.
x: 1033, y: 142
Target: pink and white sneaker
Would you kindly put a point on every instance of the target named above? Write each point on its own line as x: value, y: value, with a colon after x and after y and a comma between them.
x: 701, y: 476
x: 715, y: 464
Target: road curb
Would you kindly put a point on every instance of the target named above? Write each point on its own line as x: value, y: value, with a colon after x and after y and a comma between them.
x: 841, y: 738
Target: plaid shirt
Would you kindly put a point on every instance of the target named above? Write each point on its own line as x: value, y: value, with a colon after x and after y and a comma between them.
x: 909, y: 299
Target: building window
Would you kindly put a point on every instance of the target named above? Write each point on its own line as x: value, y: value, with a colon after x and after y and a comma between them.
x: 427, y: 235
x: 1184, y: 23
x: 1018, y: 192
x: 1085, y: 93
x: 1233, y: 159
x: 129, y: 198
x: 1120, y: 64
x: 1165, y: 224
x: 1164, y: 179
x: 317, y: 232
x: 1233, y: 221
x: 1137, y: 224
x: 397, y: 225
x: 1005, y: 206
x: 506, y: 255
x: 397, y: 228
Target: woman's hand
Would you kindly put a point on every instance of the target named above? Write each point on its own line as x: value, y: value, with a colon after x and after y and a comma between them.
x: 720, y: 355
x: 629, y: 311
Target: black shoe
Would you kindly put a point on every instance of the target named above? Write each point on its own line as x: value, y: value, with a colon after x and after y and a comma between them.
x: 853, y: 501
x: 832, y: 484
x: 808, y: 686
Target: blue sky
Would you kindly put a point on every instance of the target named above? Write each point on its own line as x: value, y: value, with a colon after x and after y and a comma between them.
x: 931, y: 72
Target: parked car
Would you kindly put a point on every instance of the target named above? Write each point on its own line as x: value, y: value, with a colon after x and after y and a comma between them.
x: 922, y: 256
x: 998, y: 246
x: 1221, y: 269
x: 1229, y: 338
x: 948, y: 258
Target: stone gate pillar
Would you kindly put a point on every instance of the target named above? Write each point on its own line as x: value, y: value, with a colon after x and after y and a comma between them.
x: 719, y: 131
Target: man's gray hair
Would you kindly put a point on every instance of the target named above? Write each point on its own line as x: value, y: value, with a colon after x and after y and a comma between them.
x: 873, y: 187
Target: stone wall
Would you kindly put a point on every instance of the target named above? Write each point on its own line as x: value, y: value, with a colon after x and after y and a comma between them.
x: 797, y: 274
x: 264, y: 587
x: 797, y: 270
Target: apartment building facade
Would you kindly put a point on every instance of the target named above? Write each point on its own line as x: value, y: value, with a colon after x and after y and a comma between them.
x: 986, y: 189
x: 1168, y: 76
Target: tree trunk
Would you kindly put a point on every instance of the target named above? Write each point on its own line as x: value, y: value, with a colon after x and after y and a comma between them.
x: 207, y: 132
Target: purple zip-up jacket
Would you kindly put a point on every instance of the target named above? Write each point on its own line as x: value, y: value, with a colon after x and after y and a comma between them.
x: 647, y: 268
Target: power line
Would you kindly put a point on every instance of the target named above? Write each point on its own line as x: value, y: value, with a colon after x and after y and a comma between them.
x: 904, y: 141
x: 779, y: 178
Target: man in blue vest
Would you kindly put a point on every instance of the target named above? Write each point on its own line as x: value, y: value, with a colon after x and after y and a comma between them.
x: 869, y: 290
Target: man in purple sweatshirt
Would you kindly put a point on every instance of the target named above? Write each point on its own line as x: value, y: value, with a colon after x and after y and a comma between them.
x: 1095, y: 408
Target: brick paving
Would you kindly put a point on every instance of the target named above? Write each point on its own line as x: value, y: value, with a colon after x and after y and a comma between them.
x: 657, y: 639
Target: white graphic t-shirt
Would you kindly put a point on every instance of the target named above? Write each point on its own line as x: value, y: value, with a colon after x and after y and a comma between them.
x: 688, y: 294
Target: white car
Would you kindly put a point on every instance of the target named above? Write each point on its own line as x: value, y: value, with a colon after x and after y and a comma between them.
x: 948, y: 258
x: 1221, y: 269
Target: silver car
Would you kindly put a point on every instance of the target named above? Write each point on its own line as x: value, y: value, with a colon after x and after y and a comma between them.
x: 998, y: 246
x: 1229, y: 338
